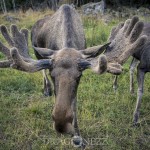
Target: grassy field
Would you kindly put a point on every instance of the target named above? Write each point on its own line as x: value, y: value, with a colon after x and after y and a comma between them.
x: 105, y: 117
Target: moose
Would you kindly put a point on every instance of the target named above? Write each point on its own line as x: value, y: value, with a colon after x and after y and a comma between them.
x: 141, y: 59
x: 60, y: 46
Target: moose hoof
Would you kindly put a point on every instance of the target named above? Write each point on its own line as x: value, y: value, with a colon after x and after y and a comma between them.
x: 77, y: 141
x: 135, y: 119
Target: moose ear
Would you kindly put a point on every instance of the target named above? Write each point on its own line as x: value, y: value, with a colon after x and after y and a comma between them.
x: 44, y: 52
x: 94, y: 51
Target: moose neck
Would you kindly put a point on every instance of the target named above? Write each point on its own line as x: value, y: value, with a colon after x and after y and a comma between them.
x: 62, y: 29
x: 68, y: 29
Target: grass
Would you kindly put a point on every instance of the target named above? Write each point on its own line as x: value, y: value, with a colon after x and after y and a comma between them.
x: 104, y: 117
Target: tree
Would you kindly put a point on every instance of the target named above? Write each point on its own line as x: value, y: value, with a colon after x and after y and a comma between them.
x: 4, y: 6
x: 14, y: 6
x: 52, y: 4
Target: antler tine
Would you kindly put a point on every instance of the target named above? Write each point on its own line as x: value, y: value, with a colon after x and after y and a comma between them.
x: 6, y: 35
x: 115, y: 30
x: 134, y: 20
x: 119, y: 27
x: 126, y: 24
x: 137, y: 30
x: 20, y: 42
x: 5, y: 50
x: 26, y: 34
x: 112, y: 34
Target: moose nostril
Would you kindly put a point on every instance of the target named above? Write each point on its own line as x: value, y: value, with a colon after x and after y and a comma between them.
x: 59, y: 128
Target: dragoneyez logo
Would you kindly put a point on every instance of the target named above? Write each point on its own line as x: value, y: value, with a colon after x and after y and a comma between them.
x: 89, y: 141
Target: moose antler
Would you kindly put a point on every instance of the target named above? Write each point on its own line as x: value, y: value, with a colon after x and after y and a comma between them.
x: 125, y: 40
x: 6, y: 52
x: 18, y: 55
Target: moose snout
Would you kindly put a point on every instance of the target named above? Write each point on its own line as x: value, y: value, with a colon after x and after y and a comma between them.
x: 63, y: 120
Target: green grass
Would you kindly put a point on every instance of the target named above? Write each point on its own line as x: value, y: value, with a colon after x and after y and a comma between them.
x: 105, y: 117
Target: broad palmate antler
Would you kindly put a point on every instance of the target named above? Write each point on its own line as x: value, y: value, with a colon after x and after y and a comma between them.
x: 125, y: 40
x: 18, y: 55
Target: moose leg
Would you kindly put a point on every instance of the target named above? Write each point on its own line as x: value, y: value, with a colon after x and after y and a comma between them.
x: 47, y: 85
x: 115, y: 86
x: 132, y: 69
x: 140, y: 78
x: 78, y: 141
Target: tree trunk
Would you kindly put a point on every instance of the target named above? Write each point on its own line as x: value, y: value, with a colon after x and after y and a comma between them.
x: 14, y: 6
x: 4, y: 6
x: 104, y: 4
x: 78, y: 3
x: 52, y: 4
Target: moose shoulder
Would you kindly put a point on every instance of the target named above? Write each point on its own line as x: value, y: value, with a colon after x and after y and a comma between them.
x: 59, y: 44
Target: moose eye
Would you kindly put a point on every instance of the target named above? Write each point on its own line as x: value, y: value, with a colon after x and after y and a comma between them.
x: 109, y: 48
x: 82, y: 65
